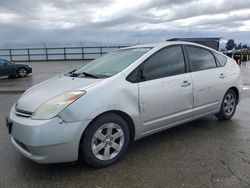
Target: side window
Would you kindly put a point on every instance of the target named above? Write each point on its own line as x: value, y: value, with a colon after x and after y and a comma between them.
x: 166, y: 62
x: 200, y: 59
x: 220, y: 58
x: 1, y: 62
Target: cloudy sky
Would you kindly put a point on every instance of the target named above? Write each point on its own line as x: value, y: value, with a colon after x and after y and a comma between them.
x: 83, y: 22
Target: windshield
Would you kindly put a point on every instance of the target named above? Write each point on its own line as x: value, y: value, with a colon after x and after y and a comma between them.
x: 2, y: 61
x: 111, y: 64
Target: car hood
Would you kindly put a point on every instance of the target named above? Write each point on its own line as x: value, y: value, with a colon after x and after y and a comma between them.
x: 40, y: 93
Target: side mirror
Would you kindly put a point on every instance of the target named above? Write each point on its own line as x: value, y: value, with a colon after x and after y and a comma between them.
x: 142, y: 75
x: 5, y: 64
x: 136, y: 75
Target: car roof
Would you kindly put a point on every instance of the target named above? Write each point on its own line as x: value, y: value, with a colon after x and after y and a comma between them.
x: 159, y: 44
x: 167, y: 43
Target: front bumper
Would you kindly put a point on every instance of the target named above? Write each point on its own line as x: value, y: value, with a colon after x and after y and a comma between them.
x: 46, y: 141
x: 29, y: 70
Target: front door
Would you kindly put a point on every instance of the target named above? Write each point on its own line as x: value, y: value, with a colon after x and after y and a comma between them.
x: 165, y: 94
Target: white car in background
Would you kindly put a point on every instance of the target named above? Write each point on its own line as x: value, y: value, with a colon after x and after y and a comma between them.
x: 93, y: 113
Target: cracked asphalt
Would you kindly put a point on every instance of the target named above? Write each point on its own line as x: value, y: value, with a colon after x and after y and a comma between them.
x: 202, y: 153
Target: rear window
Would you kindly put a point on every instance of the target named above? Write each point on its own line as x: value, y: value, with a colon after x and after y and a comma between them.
x: 220, y: 59
x: 200, y: 58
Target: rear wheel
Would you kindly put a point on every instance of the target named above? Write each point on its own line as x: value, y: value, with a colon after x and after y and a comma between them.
x: 22, y: 72
x: 105, y: 141
x: 228, y: 106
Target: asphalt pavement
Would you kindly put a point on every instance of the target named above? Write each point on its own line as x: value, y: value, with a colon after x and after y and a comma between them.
x: 41, y: 71
x: 202, y: 153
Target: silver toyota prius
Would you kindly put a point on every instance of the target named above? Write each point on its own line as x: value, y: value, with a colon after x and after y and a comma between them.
x: 94, y: 112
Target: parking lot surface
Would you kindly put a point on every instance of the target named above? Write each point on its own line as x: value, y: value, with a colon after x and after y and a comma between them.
x: 41, y: 71
x: 202, y: 153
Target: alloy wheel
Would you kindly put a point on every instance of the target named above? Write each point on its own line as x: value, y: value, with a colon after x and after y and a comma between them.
x: 107, y: 141
x: 229, y: 104
x: 22, y: 72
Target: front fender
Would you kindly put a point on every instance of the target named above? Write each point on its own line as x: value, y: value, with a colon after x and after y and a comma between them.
x: 116, y: 96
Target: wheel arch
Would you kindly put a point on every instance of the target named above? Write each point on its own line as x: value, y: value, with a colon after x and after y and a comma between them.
x: 128, y: 120
x: 236, y: 91
x: 124, y: 116
x: 21, y: 67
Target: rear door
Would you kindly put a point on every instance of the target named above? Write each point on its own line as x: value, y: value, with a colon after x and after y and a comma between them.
x: 165, y: 94
x: 208, y: 79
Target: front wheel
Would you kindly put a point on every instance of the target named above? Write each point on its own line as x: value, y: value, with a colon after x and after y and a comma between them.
x: 105, y: 140
x: 228, y: 106
x: 22, y: 72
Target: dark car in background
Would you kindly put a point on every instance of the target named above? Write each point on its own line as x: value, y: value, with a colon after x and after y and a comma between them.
x: 10, y: 69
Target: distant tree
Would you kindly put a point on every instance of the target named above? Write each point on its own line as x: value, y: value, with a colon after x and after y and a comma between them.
x: 239, y: 46
x: 230, y: 44
x: 245, y: 46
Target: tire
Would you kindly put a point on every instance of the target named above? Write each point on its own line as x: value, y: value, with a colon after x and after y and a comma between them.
x: 104, y: 141
x: 22, y: 72
x: 228, y: 106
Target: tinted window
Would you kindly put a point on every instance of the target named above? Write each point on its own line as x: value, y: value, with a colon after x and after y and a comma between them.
x: 1, y: 62
x: 200, y: 59
x: 5, y: 61
x: 166, y: 62
x: 221, y: 59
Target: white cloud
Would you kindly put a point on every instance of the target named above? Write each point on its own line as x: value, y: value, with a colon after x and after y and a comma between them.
x: 118, y: 9
x: 8, y: 17
x: 26, y: 21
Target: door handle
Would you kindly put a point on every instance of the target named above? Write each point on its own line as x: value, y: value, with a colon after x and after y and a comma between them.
x: 185, y: 83
x: 222, y: 76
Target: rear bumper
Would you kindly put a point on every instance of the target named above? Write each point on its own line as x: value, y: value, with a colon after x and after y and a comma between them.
x: 46, y: 141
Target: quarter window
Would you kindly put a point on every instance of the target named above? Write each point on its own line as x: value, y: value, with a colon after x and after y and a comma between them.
x: 221, y: 59
x: 166, y: 62
x: 200, y: 59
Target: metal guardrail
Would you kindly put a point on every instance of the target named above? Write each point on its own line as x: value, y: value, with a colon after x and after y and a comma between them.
x: 56, y: 54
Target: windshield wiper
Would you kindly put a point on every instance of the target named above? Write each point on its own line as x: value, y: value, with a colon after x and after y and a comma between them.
x: 88, y: 75
x: 73, y: 74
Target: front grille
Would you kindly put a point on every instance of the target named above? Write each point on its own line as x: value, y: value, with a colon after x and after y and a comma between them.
x: 22, y: 113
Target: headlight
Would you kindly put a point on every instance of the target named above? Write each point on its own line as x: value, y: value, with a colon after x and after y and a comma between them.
x: 54, y: 106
